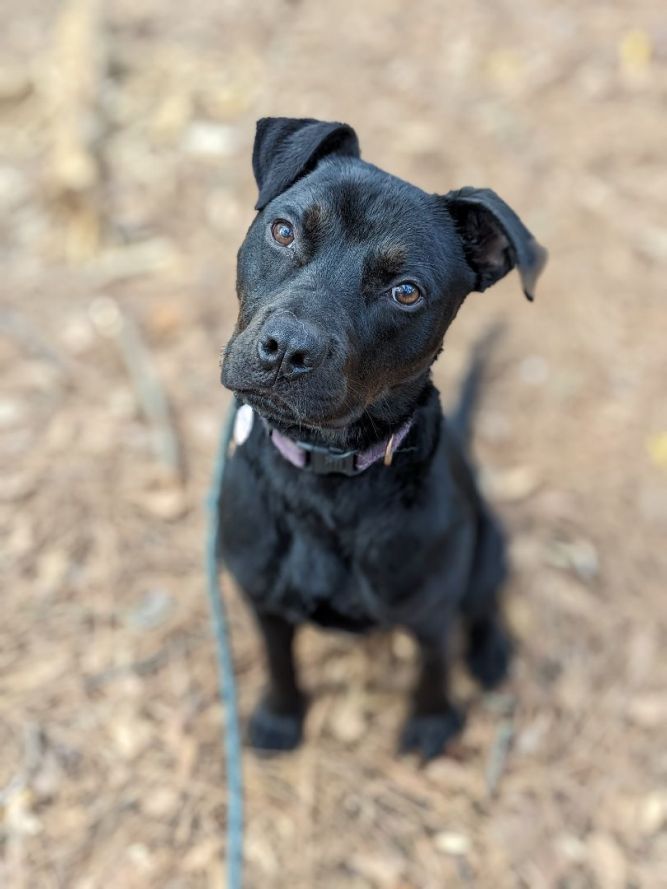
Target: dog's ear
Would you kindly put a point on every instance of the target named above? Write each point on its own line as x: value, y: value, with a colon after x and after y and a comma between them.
x: 287, y: 148
x: 494, y: 238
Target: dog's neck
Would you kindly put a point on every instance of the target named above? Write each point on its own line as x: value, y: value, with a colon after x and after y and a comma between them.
x: 380, y: 420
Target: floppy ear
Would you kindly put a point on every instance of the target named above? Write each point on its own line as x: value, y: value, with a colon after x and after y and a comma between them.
x: 494, y: 238
x: 287, y: 148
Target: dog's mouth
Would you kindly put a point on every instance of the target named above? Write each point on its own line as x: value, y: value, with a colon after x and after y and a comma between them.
x: 272, y: 408
x: 284, y: 414
x: 297, y: 405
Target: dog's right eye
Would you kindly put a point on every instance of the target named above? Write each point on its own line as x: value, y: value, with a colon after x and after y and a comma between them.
x: 406, y: 294
x: 282, y: 232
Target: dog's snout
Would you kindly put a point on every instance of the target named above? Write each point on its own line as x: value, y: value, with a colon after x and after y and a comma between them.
x: 290, y: 346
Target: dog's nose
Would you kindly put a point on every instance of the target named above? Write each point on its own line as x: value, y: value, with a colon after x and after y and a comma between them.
x: 290, y: 345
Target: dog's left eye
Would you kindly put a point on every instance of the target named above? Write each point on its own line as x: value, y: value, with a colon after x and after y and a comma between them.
x: 406, y: 294
x: 282, y: 232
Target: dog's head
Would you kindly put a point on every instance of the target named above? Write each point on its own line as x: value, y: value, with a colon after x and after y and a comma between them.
x: 348, y: 277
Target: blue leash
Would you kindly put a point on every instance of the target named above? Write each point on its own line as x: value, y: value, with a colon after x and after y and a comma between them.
x: 226, y: 681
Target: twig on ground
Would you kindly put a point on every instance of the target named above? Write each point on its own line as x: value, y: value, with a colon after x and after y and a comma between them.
x: 498, y: 754
x: 73, y: 83
x: 19, y: 328
x: 111, y: 322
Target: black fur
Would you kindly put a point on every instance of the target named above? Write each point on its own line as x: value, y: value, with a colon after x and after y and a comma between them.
x: 411, y: 544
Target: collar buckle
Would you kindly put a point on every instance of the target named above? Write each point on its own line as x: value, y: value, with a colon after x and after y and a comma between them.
x: 328, y: 461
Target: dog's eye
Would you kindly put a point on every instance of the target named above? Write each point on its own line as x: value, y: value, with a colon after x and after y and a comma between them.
x: 282, y: 232
x: 406, y: 294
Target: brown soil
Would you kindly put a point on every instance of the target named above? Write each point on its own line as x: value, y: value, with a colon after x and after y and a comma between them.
x: 125, y: 177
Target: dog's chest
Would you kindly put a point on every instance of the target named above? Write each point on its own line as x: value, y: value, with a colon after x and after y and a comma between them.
x: 297, y: 560
x: 343, y: 554
x: 324, y: 580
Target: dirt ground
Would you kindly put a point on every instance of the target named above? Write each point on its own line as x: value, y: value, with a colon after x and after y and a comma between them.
x: 125, y: 189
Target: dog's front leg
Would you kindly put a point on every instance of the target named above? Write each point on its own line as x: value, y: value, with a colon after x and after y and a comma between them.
x: 434, y: 720
x: 277, y: 723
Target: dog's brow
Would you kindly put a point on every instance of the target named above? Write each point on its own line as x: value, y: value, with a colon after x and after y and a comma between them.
x: 314, y: 218
x: 385, y: 263
x: 393, y: 257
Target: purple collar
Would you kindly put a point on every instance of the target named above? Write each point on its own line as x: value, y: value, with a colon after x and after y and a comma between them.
x: 329, y: 461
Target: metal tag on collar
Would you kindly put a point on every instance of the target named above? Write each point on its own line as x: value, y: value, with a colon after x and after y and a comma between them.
x: 325, y: 461
x: 243, y: 423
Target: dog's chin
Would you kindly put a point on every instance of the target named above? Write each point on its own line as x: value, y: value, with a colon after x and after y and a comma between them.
x: 280, y: 414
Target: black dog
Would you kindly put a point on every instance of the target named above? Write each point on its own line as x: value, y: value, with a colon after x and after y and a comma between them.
x: 348, y: 502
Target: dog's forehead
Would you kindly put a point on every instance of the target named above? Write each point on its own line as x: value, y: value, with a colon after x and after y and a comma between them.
x: 363, y: 204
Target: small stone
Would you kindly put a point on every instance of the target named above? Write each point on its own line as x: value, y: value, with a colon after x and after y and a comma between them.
x: 11, y: 413
x: 606, y: 860
x: 653, y: 813
x: 648, y: 711
x: 15, y: 84
x: 578, y: 555
x: 572, y: 848
x: 200, y: 856
x: 18, y: 486
x: 130, y: 735
x: 78, y: 335
x: 494, y: 426
x: 152, y: 611
x: 451, y: 843
x: 657, y: 449
x: 205, y: 139
x: 534, y: 370
x: 402, y: 646
x: 382, y: 871
x: 510, y: 485
x: 167, y: 319
x: 13, y: 187
x: 168, y: 504
x: 140, y: 855
x: 347, y: 722
x: 105, y: 315
x: 161, y: 802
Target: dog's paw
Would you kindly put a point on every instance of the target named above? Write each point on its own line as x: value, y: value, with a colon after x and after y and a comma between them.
x: 428, y: 735
x: 489, y: 655
x: 270, y: 732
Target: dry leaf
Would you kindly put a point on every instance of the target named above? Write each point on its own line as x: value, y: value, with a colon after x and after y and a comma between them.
x: 634, y: 52
x: 607, y: 861
x: 510, y: 485
x: 382, y: 870
x: 168, y: 504
x: 347, y: 722
x: 657, y: 449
